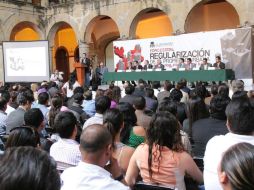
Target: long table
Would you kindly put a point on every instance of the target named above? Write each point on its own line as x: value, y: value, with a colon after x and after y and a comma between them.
x: 191, y: 76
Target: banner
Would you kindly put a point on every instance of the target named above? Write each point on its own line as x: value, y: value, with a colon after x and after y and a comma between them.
x: 233, y: 46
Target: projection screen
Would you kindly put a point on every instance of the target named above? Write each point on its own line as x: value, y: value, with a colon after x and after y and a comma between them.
x: 26, y: 61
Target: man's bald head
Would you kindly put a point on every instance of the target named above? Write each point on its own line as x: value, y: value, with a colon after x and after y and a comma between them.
x: 95, y: 138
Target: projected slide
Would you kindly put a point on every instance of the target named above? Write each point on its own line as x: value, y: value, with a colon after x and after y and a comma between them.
x: 26, y: 61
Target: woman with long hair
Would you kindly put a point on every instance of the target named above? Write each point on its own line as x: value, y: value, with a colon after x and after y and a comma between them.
x: 113, y: 120
x: 70, y: 85
x: 195, y: 109
x: 131, y: 135
x: 236, y: 170
x: 162, y: 161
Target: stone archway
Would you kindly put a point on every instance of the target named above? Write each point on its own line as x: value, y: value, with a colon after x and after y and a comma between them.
x: 149, y: 23
x: 62, y: 34
x: 212, y: 15
x: 99, y: 32
x: 62, y: 62
x: 25, y: 31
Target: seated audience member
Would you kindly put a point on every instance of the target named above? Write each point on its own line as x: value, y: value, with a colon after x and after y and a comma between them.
x: 140, y: 89
x: 3, y: 115
x: 142, y: 118
x: 78, y: 89
x: 89, y: 103
x: 16, y: 118
x: 43, y: 101
x: 34, y: 118
x: 77, y: 109
x: 162, y: 161
x: 236, y: 168
x: 113, y: 120
x: 156, y: 85
x: 28, y: 168
x: 131, y: 135
x: 223, y: 90
x: 96, y: 151
x: 182, y: 86
x: 53, y: 89
x: 214, y: 92
x: 218, y: 64
x: 98, y: 94
x: 166, y: 92
x: 116, y: 94
x: 195, y: 110
x: 23, y: 136
x: 204, y: 129
x: 66, y: 150
x: 102, y: 104
x: 12, y: 103
x: 109, y: 94
x: 171, y: 107
x: 236, y: 85
x: 129, y: 97
x: 240, y: 125
x: 151, y: 103
x: 70, y: 85
x: 176, y: 96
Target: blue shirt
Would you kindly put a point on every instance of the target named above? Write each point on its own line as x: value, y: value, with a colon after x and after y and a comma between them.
x: 89, y: 107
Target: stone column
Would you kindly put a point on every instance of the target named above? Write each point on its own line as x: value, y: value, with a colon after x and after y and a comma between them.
x: 51, y: 57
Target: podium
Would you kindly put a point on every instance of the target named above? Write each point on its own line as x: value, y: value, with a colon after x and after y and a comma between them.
x: 80, y: 69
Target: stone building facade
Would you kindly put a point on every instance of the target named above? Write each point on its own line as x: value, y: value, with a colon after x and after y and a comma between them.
x: 96, y: 23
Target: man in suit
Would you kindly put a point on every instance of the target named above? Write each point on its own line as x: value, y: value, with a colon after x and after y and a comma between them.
x: 181, y: 63
x: 147, y: 65
x: 218, y: 64
x: 205, y: 65
x: 86, y: 62
x: 159, y: 65
x: 100, y: 71
x: 190, y: 65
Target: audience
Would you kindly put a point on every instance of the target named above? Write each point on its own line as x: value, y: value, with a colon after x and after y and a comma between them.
x: 113, y: 120
x: 96, y: 150
x: 3, y: 115
x: 102, y: 104
x: 66, y: 150
x: 204, y: 129
x: 28, y: 168
x: 162, y: 161
x: 34, y: 118
x: 129, y: 97
x: 240, y: 121
x: 166, y: 92
x: 151, y: 102
x: 16, y: 118
x: 236, y: 168
x: 23, y: 136
x: 137, y: 140
x: 176, y: 96
x: 131, y: 135
x: 142, y: 118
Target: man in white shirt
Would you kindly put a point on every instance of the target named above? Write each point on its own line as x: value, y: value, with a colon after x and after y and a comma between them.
x: 102, y: 104
x: 66, y: 150
x: 240, y: 119
x: 96, y: 151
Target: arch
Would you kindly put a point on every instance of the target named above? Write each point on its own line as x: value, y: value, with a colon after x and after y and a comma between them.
x: 102, y: 21
x: 212, y: 15
x: 16, y: 20
x: 24, y: 31
x: 62, y: 61
x: 146, y: 20
x: 63, y: 35
x: 99, y: 32
x: 55, y: 23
